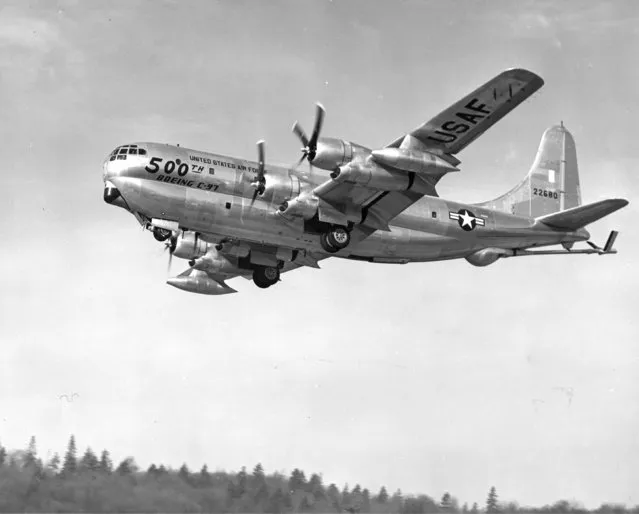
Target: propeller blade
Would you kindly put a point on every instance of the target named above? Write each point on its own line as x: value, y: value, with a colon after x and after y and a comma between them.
x: 254, y: 196
x: 299, y: 132
x: 260, y: 160
x: 319, y: 120
x: 260, y: 181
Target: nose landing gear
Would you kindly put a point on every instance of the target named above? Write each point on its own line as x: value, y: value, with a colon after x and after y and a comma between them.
x: 336, y: 239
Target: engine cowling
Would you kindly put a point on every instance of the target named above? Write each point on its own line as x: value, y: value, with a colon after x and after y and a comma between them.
x: 377, y: 177
x: 188, y: 245
x: 304, y: 206
x: 332, y: 153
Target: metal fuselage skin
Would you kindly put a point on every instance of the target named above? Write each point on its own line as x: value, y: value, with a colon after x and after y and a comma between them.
x: 212, y: 194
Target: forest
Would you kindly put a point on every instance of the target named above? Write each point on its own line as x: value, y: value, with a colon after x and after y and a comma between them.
x: 93, y: 483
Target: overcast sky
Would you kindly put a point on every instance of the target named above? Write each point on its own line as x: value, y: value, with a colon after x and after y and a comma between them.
x: 425, y: 377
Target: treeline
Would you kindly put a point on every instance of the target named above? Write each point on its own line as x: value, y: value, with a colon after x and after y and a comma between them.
x: 93, y: 483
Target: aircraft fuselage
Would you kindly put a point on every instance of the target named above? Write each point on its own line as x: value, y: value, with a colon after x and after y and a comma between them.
x: 212, y: 194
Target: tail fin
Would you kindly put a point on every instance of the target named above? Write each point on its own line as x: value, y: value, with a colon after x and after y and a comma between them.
x: 552, y: 184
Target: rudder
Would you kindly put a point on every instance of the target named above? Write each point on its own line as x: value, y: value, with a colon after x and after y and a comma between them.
x: 552, y: 184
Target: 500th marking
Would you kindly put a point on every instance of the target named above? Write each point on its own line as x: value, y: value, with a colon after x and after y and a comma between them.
x: 545, y: 193
x: 169, y: 166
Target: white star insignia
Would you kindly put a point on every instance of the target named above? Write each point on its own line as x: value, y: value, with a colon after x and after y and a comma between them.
x: 467, y: 219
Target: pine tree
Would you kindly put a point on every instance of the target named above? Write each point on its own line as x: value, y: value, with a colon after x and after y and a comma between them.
x: 258, y: 473
x: 162, y: 470
x: 332, y: 492
x: 446, y: 502
x: 89, y: 461
x: 54, y: 464
x: 30, y: 457
x: 315, y: 486
x: 366, y: 500
x: 3, y: 455
x: 491, y: 502
x: 126, y: 467
x: 242, y: 480
x: 297, y: 480
x: 105, y: 465
x: 152, y: 471
x: 184, y: 473
x: 382, y: 496
x: 346, y: 495
x: 204, y: 477
x: 70, y: 459
x: 475, y: 508
x: 465, y: 508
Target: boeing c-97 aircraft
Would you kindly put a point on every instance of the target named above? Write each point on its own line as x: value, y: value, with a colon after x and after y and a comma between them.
x: 231, y: 217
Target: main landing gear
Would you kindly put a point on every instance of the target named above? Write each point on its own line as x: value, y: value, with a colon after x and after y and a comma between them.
x: 336, y: 239
x: 266, y: 276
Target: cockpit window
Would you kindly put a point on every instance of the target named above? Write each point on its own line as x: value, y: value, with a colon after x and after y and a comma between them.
x: 121, y: 152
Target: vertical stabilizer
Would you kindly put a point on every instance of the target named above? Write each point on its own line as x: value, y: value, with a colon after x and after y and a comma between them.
x: 552, y: 184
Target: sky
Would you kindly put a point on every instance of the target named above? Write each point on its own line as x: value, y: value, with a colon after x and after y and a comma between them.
x: 426, y: 377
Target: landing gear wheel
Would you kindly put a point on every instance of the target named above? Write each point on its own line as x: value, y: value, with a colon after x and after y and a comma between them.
x: 326, y: 245
x: 337, y: 238
x: 266, y: 276
x: 161, y: 234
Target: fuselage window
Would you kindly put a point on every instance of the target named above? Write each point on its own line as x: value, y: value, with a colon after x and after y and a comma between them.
x: 133, y: 151
x: 121, y: 157
x: 123, y: 150
x: 141, y: 151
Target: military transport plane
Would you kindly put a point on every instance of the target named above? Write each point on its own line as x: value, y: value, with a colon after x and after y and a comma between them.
x: 232, y: 217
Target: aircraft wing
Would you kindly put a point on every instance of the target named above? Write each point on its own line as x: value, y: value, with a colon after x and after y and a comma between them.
x: 455, y: 128
x: 446, y: 134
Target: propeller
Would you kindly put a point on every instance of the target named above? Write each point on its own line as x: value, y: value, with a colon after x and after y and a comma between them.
x: 260, y: 180
x: 310, y: 145
x: 170, y: 245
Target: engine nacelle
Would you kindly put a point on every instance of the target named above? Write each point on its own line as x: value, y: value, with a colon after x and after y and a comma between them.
x: 377, y: 177
x: 303, y: 206
x: 410, y: 160
x: 188, y: 245
x: 372, y: 176
x: 332, y: 153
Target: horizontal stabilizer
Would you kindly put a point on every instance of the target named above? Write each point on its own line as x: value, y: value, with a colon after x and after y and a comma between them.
x: 578, y: 217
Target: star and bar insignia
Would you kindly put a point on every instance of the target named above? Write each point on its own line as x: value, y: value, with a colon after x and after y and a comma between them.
x: 466, y: 219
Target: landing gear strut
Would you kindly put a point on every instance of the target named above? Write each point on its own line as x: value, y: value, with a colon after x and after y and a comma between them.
x: 266, y: 276
x: 336, y: 239
x: 161, y: 234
